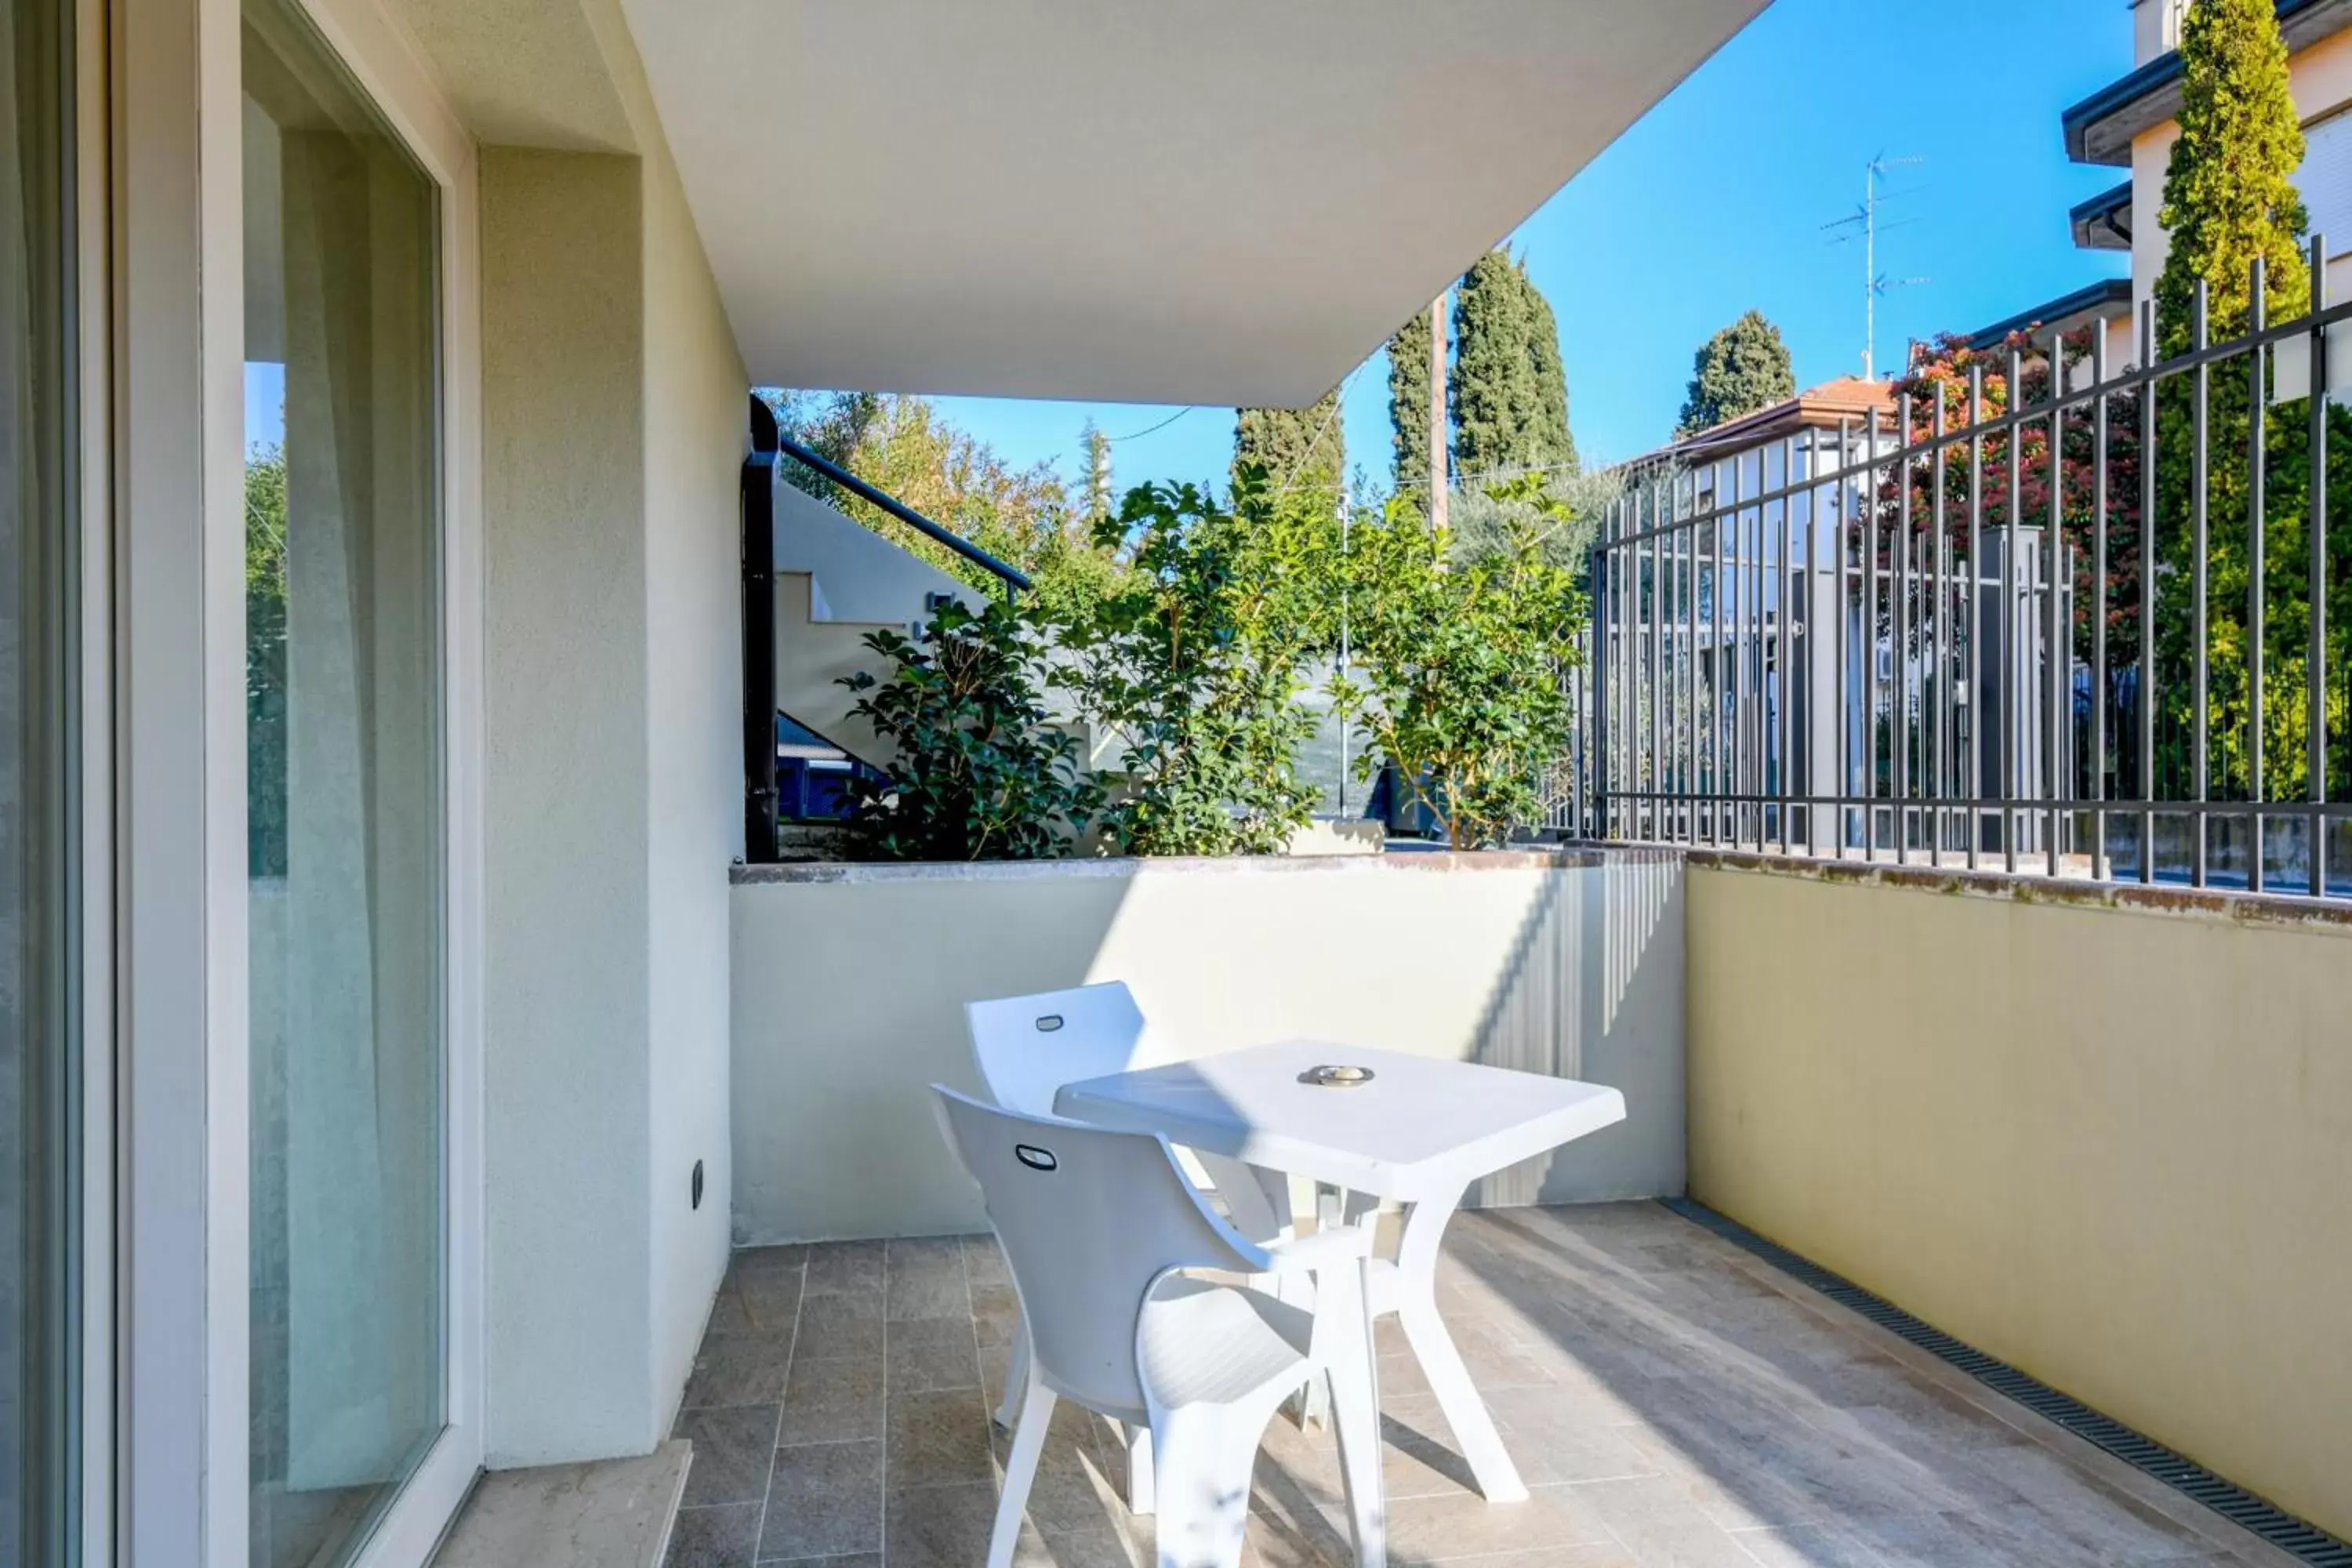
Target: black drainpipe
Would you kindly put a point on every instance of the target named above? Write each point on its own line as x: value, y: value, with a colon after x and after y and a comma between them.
x: 758, y: 552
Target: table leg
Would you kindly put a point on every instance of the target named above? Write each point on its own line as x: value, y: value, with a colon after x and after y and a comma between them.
x: 1416, y: 1307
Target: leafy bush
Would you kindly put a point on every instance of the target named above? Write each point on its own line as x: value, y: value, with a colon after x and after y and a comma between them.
x: 980, y: 771
x: 1460, y: 663
x: 1193, y: 662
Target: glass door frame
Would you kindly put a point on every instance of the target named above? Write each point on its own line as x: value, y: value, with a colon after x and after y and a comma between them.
x: 173, y: 1453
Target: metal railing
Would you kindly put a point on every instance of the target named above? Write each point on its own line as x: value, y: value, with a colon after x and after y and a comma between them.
x: 1012, y: 577
x: 2063, y: 622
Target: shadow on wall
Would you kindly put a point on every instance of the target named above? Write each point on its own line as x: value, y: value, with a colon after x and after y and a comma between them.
x: 1593, y: 990
x: 849, y: 985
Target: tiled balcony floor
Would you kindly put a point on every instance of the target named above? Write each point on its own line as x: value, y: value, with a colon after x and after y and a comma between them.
x: 1670, y: 1400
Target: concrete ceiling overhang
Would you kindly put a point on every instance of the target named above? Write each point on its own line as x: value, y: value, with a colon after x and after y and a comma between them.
x: 1207, y: 201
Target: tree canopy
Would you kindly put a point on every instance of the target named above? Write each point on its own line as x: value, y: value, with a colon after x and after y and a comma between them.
x: 1298, y: 449
x: 2229, y: 200
x: 1408, y: 412
x: 2229, y: 191
x: 1741, y: 369
x: 1505, y: 387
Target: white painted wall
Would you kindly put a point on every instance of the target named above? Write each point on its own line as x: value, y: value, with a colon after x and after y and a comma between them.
x: 863, y: 576
x: 848, y: 996
x: 568, y: 811
x: 697, y: 428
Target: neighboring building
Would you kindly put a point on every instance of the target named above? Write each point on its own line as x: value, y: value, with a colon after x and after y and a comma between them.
x: 2129, y: 124
x: 2104, y: 307
x: 1779, y: 561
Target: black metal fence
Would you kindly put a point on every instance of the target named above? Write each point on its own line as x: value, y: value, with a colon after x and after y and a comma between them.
x: 2038, y: 617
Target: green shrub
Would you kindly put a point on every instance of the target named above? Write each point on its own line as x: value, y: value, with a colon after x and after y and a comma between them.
x: 1194, y: 663
x: 1458, y: 664
x: 981, y: 772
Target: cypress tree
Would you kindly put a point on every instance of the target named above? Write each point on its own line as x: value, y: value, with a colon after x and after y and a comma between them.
x: 2229, y: 199
x: 1741, y: 369
x: 2229, y: 191
x: 1506, y: 388
x: 1297, y: 447
x: 1097, y: 448
x: 1408, y: 412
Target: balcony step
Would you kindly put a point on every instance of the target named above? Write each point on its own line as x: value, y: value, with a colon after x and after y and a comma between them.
x: 609, y: 1513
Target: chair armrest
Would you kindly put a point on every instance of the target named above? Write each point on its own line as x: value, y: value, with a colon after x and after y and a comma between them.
x: 1324, y: 1249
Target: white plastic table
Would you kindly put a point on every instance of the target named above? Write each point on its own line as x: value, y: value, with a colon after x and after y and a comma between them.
x: 1419, y: 1132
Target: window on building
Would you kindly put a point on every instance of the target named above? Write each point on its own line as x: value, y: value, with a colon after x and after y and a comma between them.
x: 2174, y: 10
x: 2325, y: 180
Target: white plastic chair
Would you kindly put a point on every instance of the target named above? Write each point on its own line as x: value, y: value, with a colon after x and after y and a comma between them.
x: 1097, y: 1228
x: 1027, y: 1047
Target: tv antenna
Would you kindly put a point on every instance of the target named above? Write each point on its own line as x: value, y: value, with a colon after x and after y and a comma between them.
x: 1862, y: 223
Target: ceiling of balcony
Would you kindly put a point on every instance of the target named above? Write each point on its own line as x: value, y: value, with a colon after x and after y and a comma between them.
x: 1217, y: 200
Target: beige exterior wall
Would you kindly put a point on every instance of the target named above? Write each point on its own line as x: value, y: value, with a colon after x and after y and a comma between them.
x: 568, y: 822
x: 697, y: 429
x: 849, y: 995
x: 2113, y: 1148
x: 614, y: 426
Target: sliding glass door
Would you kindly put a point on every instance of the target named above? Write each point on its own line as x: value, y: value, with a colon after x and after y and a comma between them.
x: 345, y: 787
x: 39, y: 1106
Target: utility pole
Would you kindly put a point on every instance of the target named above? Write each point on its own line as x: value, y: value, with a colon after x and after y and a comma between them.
x: 1437, y: 464
x: 1864, y: 222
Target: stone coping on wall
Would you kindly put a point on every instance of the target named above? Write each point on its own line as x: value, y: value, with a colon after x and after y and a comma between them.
x: 2138, y: 898
x: 1420, y: 861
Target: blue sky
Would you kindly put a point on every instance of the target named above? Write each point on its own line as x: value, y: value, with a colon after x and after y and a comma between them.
x: 1715, y: 202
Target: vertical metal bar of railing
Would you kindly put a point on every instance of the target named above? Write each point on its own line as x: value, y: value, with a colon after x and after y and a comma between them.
x: 1940, y: 784
x: 2200, y: 581
x: 1603, y: 576
x: 1867, y: 621
x: 2098, y: 769
x: 1739, y: 703
x: 1973, y: 766
x: 1810, y: 594
x: 2316, y: 664
x: 1782, y: 643
x: 1662, y: 583
x: 2056, y: 634
x: 1686, y: 505
x: 1832, y: 496
x: 2146, y: 694
x: 2012, y: 689
x: 2255, y: 567
x: 1900, y: 721
x: 1716, y: 664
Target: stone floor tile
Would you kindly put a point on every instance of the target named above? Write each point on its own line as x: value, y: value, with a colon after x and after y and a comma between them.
x: 838, y: 1266
x: 937, y: 1439
x: 995, y: 1313
x: 925, y: 1279
x: 931, y: 1355
x: 983, y: 1260
x: 734, y: 1447
x: 1433, y: 1528
x: 1655, y: 1520
x: 824, y: 1499
x: 1919, y: 1540
x: 738, y: 1369
x: 837, y: 1401
x: 840, y: 1324
x: 725, y: 1537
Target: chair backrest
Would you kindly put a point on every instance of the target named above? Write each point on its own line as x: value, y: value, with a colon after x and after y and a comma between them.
x: 1088, y: 1218
x: 1027, y: 1047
